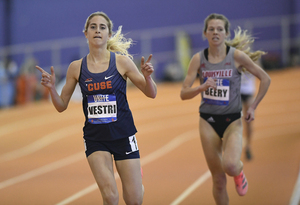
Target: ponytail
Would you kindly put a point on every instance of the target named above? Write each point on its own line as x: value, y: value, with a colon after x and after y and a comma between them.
x: 119, y: 44
x: 243, y: 42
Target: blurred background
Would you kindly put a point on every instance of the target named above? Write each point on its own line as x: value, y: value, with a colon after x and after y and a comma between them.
x: 49, y: 33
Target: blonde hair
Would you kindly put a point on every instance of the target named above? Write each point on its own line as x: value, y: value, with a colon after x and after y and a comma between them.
x: 243, y: 42
x: 117, y: 43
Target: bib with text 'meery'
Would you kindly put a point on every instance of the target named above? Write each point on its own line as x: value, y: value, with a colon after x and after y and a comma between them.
x: 219, y: 96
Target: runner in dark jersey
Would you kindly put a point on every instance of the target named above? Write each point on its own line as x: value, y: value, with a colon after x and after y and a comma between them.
x: 109, y: 128
x: 219, y: 68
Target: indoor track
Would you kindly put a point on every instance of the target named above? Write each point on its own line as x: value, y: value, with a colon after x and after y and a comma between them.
x: 42, y: 158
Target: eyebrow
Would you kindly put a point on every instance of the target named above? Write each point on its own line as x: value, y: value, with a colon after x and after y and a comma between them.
x: 101, y: 24
x: 215, y: 27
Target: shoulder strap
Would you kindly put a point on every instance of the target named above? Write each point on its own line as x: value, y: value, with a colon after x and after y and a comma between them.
x: 83, y: 62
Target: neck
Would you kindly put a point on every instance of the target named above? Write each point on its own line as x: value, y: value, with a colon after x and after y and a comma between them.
x: 217, y: 50
x: 98, y: 55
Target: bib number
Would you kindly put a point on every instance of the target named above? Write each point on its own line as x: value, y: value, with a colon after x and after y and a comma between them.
x: 220, y: 96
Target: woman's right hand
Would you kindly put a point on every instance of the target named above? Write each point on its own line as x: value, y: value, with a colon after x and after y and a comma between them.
x: 47, y: 80
x: 210, y: 82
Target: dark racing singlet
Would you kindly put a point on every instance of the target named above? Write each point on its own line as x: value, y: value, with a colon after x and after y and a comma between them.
x: 105, y: 105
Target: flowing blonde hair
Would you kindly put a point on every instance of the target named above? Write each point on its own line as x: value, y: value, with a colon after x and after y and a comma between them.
x: 243, y: 42
x: 117, y: 43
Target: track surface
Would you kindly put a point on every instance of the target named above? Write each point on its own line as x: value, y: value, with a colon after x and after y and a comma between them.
x: 42, y: 157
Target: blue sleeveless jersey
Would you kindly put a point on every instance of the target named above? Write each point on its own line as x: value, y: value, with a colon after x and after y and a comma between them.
x: 105, y: 105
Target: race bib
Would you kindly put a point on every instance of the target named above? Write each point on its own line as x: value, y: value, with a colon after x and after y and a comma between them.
x: 220, y: 96
x: 102, y: 109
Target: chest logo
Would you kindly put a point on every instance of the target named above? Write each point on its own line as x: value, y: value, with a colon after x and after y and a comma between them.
x: 99, y: 86
x: 106, y: 78
x: 89, y: 80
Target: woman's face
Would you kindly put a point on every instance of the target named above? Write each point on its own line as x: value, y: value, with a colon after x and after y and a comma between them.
x: 97, y: 32
x: 215, y: 32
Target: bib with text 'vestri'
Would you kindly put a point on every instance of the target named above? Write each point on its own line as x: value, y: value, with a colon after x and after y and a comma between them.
x: 102, y: 109
x: 219, y: 96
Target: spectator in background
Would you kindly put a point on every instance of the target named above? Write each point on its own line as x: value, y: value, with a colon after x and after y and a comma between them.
x: 28, y: 88
x: 8, y: 73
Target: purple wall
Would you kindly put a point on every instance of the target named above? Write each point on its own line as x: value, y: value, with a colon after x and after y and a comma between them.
x: 36, y: 20
x: 295, y: 7
x: 1, y: 23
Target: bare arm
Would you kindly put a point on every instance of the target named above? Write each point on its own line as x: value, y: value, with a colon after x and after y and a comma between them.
x: 142, y: 80
x: 244, y: 60
x: 60, y: 102
x: 189, y: 92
